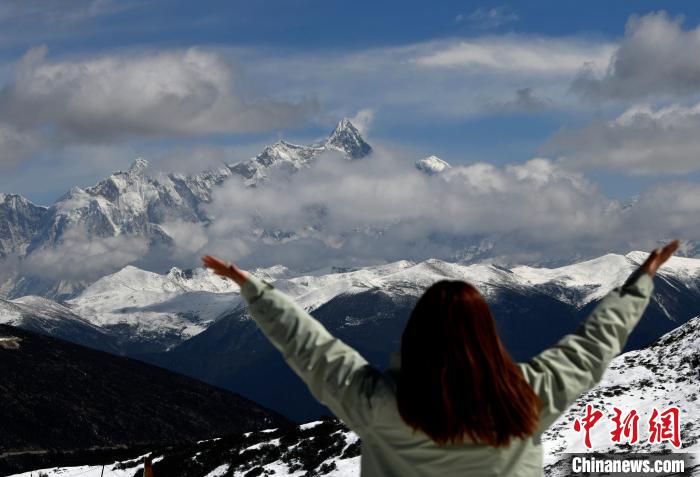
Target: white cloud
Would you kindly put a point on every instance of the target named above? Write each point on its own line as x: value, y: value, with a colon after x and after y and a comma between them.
x: 188, y: 92
x: 444, y: 79
x: 642, y: 140
x: 520, y: 55
x: 656, y: 58
x: 363, y: 120
x: 78, y: 258
x: 383, y: 209
x: 15, y: 146
x: 189, y: 238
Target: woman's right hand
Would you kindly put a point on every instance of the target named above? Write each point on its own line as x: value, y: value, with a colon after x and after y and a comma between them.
x: 658, y: 257
x: 225, y: 269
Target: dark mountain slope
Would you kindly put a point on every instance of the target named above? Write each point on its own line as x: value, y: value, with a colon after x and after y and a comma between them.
x: 233, y: 353
x: 58, y: 396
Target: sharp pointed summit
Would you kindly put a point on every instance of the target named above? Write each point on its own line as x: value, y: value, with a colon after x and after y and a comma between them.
x: 347, y: 138
x: 287, y: 158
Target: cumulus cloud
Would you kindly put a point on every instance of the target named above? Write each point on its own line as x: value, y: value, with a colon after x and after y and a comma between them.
x: 361, y: 212
x: 184, y: 92
x: 363, y: 120
x: 443, y: 80
x: 656, y: 58
x: 81, y: 259
x: 188, y: 238
x: 642, y: 140
x: 15, y: 146
x: 378, y: 210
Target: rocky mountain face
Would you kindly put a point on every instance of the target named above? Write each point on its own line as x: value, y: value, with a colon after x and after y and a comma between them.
x: 283, y: 158
x: 137, y: 205
x: 19, y: 223
x: 660, y: 375
x: 58, y: 397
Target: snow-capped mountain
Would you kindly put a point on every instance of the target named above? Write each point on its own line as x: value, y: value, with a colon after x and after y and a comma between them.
x: 149, y: 312
x: 432, y: 165
x: 663, y: 374
x: 187, y: 310
x: 133, y: 209
x: 128, y: 203
x: 50, y: 318
x: 283, y: 158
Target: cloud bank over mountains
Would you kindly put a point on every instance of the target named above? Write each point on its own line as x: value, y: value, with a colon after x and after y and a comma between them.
x: 79, y: 109
x: 335, y: 203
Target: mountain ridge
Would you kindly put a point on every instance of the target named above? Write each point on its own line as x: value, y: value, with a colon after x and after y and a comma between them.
x: 76, y: 398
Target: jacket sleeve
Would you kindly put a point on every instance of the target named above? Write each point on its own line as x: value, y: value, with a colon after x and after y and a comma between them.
x: 577, y: 362
x: 336, y: 374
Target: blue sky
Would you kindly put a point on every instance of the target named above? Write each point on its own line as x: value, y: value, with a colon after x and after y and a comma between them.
x: 85, y: 84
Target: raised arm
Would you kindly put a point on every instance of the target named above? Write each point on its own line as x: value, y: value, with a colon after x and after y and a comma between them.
x: 577, y: 362
x: 336, y: 374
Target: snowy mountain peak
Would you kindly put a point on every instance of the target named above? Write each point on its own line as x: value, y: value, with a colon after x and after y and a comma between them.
x: 432, y: 165
x: 139, y: 166
x: 347, y: 139
x: 14, y: 200
x: 284, y: 158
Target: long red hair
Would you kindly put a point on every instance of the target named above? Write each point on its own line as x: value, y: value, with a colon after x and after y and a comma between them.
x: 457, y: 381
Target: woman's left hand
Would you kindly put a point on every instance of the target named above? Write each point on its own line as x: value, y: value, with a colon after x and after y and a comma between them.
x: 225, y: 269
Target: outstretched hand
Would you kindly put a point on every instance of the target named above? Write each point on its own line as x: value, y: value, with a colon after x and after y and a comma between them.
x: 225, y: 269
x: 658, y: 257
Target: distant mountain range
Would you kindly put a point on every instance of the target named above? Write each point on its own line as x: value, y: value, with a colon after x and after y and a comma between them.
x: 136, y: 204
x: 662, y: 374
x: 60, y: 399
x: 196, y: 323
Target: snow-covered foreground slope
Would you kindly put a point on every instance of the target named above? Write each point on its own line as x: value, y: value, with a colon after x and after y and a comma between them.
x: 316, y: 448
x: 664, y: 374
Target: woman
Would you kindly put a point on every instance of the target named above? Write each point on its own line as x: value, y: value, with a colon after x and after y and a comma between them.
x: 458, y: 405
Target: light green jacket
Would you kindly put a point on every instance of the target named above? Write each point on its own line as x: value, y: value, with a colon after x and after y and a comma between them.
x: 364, y: 398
